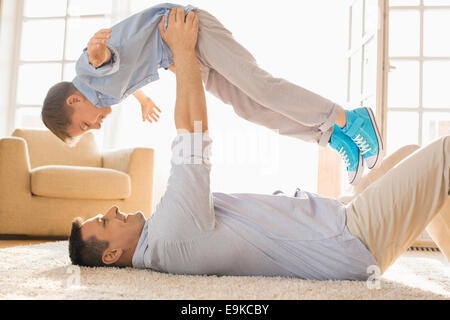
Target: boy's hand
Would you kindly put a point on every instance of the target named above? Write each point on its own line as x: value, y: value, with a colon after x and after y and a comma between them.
x: 97, y: 50
x: 181, y: 34
x: 149, y: 110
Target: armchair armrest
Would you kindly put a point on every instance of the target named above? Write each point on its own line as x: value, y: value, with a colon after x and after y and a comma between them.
x: 14, y: 170
x: 131, y: 161
x: 117, y: 159
x: 141, y: 162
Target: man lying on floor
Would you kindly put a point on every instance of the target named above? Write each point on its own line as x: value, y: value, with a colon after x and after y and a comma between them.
x: 196, y: 232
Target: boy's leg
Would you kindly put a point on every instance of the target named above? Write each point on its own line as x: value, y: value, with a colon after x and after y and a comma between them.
x: 392, y: 212
x: 250, y: 110
x: 218, y: 50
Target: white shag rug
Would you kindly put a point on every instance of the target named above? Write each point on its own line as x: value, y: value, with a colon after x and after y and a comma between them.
x: 44, y: 271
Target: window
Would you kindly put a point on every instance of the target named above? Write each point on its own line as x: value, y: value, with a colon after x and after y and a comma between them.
x: 53, y: 34
x: 402, y: 71
x: 365, y: 82
x: 363, y: 53
x: 418, y: 108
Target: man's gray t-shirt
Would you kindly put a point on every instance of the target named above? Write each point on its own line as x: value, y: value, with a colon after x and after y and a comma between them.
x: 194, y: 231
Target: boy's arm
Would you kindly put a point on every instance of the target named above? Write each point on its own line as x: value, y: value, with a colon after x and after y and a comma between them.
x: 148, y: 107
x: 97, y: 50
x: 140, y: 96
x: 98, y: 59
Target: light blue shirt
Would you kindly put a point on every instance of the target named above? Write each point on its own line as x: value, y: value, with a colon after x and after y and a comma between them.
x: 137, y: 52
x: 196, y: 232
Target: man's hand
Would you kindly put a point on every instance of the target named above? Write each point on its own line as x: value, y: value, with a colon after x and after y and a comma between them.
x: 181, y: 35
x: 97, y: 50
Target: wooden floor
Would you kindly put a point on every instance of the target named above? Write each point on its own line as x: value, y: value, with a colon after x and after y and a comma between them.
x: 13, y: 243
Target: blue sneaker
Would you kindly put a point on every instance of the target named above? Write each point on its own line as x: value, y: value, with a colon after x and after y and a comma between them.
x: 349, y: 152
x: 362, y: 128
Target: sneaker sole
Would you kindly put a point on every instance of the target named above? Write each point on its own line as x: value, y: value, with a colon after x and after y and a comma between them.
x: 380, y: 154
x: 359, y: 172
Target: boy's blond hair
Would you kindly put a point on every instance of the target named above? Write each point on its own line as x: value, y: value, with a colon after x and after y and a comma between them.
x: 56, y: 114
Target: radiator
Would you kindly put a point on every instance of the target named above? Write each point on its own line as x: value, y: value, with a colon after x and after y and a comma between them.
x: 424, y: 243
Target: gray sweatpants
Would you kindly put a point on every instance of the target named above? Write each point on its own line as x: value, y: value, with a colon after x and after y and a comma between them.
x: 231, y: 73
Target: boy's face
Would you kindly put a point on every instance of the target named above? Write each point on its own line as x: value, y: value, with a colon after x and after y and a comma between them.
x: 86, y: 116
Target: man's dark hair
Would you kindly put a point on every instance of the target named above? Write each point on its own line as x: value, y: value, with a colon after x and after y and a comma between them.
x: 85, y: 253
x: 56, y: 114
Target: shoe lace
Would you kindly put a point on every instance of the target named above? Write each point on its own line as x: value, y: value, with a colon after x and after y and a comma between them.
x: 362, y: 144
x: 344, y: 154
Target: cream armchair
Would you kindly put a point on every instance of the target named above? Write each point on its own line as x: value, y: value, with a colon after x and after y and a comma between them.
x: 438, y: 228
x: 44, y: 184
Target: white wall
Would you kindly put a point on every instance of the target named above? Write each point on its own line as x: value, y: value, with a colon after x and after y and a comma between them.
x: 301, y: 41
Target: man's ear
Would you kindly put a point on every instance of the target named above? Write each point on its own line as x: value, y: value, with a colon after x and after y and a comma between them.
x: 111, y: 256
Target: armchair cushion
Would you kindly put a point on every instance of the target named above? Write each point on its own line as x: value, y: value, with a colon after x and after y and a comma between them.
x: 71, y: 182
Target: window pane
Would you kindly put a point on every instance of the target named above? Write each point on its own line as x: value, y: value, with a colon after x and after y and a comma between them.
x: 436, y: 79
x: 86, y: 7
x: 69, y: 72
x: 404, y: 2
x: 35, y: 80
x: 436, y: 2
x: 436, y: 28
x: 404, y: 84
x: 42, y: 40
x: 370, y: 67
x: 371, y: 102
x: 371, y: 16
x: 435, y: 125
x: 29, y: 118
x: 402, y: 130
x: 355, y: 78
x: 44, y: 8
x: 357, y: 23
x: 80, y: 30
x: 404, y: 33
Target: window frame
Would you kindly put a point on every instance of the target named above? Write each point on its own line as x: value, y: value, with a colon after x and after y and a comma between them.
x: 330, y: 178
x: 384, y: 66
x: 14, y: 106
x: 421, y: 59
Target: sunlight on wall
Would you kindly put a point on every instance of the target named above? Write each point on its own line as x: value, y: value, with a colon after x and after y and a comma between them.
x: 301, y: 41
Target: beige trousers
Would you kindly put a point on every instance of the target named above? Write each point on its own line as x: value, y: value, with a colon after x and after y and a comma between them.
x: 231, y: 73
x: 392, y: 212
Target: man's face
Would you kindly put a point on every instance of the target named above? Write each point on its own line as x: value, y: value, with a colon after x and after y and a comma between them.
x: 86, y: 116
x: 121, y: 230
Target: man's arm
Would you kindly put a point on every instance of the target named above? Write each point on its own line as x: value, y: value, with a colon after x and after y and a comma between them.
x: 186, y: 210
x: 181, y: 36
